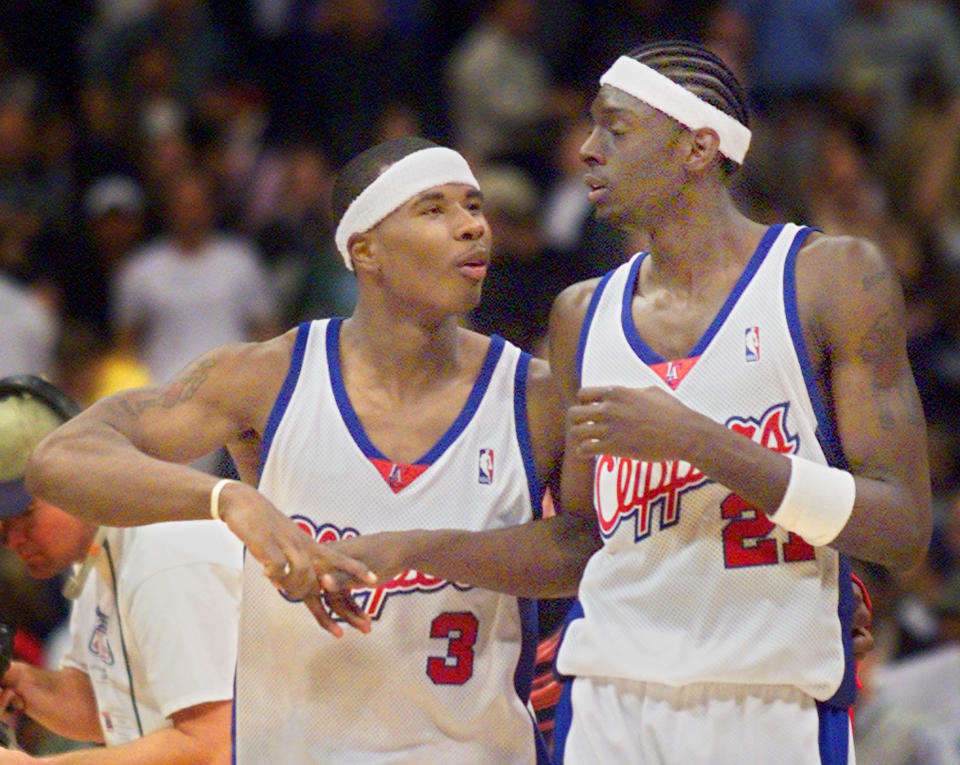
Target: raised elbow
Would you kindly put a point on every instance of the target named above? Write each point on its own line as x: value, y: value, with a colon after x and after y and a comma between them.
x: 912, y: 550
x: 40, y: 473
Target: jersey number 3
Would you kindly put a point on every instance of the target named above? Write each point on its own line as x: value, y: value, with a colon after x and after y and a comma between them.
x: 745, y: 541
x: 459, y: 628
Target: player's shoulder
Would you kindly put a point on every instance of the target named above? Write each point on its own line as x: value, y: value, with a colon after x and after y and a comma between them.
x: 841, y: 279
x: 253, y: 361
x: 577, y: 296
x: 839, y: 256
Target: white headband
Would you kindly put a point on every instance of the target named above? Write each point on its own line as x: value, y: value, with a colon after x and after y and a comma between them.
x: 663, y: 94
x: 403, y: 180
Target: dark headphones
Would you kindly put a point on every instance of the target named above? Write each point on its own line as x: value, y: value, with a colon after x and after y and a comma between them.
x: 58, y: 401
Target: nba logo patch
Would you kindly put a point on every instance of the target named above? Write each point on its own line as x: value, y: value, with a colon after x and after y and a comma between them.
x: 752, y: 343
x: 485, y: 475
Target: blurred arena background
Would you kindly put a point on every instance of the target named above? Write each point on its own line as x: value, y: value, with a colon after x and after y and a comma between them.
x: 134, y: 131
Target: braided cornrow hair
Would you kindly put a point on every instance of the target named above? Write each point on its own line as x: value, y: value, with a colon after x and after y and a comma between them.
x: 700, y: 71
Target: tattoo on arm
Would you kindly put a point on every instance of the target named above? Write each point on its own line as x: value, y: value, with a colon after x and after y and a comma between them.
x: 179, y: 390
x: 874, y: 350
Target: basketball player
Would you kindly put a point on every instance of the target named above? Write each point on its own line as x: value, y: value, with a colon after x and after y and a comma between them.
x: 742, y: 419
x: 396, y: 417
x: 149, y: 670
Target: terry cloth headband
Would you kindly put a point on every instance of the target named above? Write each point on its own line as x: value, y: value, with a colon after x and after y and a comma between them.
x: 663, y: 94
x: 404, y: 179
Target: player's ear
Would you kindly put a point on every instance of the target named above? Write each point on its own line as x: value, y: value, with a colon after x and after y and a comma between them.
x: 704, y: 148
x: 362, y: 254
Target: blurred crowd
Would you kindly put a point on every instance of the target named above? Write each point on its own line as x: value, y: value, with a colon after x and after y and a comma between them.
x: 165, y: 167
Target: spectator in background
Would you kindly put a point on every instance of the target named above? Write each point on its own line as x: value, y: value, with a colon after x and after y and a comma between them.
x: 89, y: 362
x: 230, y: 129
x: 29, y: 305
x: 922, y: 168
x: 782, y: 49
x: 584, y: 245
x: 848, y: 197
x: 295, y: 233
x: 499, y: 88
x: 881, y: 50
x: 182, y: 36
x: 84, y: 260
x: 192, y: 287
x: 27, y: 192
x: 518, y: 290
x: 340, y: 72
x: 28, y: 329
x: 105, y: 138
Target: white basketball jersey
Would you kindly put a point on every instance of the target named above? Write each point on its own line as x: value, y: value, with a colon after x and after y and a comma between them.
x: 444, y: 674
x: 692, y: 584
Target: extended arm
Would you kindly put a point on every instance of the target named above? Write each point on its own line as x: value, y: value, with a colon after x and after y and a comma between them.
x: 60, y: 700
x: 200, y: 736
x: 122, y: 462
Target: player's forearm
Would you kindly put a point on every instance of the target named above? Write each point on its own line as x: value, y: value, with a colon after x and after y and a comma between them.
x: 890, y: 520
x: 165, y: 747
x: 540, y: 559
x: 61, y: 701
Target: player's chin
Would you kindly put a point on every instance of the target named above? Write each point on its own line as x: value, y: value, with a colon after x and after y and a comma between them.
x: 469, y: 296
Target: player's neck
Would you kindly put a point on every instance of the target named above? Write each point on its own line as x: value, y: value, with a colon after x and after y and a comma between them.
x: 688, y: 255
x: 402, y: 353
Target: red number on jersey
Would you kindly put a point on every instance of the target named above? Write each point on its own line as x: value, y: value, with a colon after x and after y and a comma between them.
x: 460, y: 629
x: 748, y: 523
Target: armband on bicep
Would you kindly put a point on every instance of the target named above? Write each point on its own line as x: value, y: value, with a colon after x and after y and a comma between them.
x: 818, y: 501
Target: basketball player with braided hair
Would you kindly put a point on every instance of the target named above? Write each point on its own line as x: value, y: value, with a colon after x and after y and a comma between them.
x: 742, y: 421
x: 395, y: 417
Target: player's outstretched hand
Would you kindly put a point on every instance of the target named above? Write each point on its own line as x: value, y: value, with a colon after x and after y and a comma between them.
x: 383, y: 553
x: 292, y: 560
x: 627, y: 422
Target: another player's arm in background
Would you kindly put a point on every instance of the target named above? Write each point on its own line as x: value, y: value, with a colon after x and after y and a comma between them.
x: 122, y: 462
x: 540, y: 559
x: 199, y: 736
x: 852, y: 313
x: 60, y: 700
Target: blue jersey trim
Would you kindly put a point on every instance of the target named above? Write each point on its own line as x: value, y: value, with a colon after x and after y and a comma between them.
x: 353, y: 422
x: 286, y: 391
x: 526, y: 663
x: 834, y: 738
x: 826, y: 429
x: 829, y: 441
x: 523, y: 433
x: 562, y: 719
x: 588, y: 320
x: 644, y: 352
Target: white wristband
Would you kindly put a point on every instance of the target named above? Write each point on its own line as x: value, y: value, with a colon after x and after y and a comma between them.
x: 818, y: 501
x: 215, y: 497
